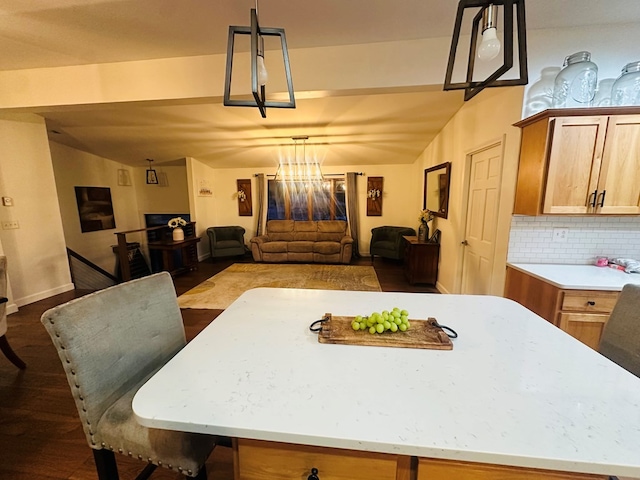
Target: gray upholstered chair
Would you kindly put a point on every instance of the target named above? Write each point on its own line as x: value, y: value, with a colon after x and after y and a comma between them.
x: 4, y: 343
x: 387, y: 241
x: 226, y: 241
x: 620, y: 340
x: 110, y: 342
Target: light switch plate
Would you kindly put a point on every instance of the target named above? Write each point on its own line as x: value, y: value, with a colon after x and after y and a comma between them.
x: 10, y: 225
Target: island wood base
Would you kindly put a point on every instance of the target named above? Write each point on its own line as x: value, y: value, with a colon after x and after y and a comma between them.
x: 261, y: 460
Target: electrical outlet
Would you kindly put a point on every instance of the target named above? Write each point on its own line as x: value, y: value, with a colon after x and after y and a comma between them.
x: 10, y: 225
x: 560, y: 235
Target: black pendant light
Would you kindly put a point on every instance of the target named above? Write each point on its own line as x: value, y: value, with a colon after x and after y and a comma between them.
x: 152, y: 176
x: 258, y: 70
x: 487, y: 12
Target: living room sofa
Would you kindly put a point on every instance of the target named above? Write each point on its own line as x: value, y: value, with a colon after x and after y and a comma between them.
x: 324, y: 241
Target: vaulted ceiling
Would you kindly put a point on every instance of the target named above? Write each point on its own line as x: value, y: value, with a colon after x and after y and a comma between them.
x: 344, y: 127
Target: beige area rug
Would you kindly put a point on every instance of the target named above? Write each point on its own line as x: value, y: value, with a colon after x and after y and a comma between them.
x: 219, y: 291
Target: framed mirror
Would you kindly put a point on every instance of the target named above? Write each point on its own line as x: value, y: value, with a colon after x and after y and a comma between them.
x: 436, y: 189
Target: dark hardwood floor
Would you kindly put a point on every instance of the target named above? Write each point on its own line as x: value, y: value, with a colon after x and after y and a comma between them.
x: 40, y: 433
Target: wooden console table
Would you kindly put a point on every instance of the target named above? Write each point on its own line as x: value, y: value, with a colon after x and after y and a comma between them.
x: 421, y: 261
x: 169, y: 247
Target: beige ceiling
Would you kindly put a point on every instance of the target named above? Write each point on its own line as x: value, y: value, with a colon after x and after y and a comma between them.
x: 345, y: 129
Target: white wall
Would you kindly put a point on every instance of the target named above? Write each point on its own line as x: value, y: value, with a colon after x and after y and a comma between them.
x: 173, y: 197
x: 74, y: 168
x: 485, y: 119
x: 201, y: 207
x: 36, y: 255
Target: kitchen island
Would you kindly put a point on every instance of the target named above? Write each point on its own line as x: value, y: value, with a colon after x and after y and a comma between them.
x: 515, y: 397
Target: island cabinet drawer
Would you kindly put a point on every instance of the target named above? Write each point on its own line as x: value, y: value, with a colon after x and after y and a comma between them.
x: 430, y: 469
x: 588, y: 301
x: 261, y: 460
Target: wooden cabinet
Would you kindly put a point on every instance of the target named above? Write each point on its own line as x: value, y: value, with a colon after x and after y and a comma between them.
x: 421, y: 260
x: 580, y: 161
x: 260, y: 460
x: 581, y: 313
x: 431, y: 469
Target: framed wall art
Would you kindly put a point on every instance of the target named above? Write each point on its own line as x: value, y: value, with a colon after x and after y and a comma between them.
x: 95, y: 208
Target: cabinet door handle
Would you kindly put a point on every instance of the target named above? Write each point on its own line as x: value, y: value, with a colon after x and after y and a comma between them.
x: 601, y: 196
x: 591, y: 303
x: 592, y: 199
x: 314, y: 474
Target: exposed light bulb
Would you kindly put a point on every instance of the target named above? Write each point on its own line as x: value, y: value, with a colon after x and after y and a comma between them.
x: 263, y: 75
x: 490, y: 45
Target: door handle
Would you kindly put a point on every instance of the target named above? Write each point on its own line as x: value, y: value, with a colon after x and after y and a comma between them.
x: 464, y: 242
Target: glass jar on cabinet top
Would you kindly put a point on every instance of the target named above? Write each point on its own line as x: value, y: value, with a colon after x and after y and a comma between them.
x: 540, y: 95
x: 626, y: 89
x: 575, y: 85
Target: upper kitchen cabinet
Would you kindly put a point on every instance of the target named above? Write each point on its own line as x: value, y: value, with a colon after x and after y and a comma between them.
x: 580, y: 161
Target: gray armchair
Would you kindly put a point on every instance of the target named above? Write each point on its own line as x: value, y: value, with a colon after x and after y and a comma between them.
x: 620, y: 340
x: 226, y: 241
x: 387, y: 241
x: 110, y: 342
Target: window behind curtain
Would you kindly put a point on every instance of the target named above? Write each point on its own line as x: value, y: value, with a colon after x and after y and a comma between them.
x: 305, y: 201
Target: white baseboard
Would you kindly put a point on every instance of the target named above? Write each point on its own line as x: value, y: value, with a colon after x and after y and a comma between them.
x: 20, y: 302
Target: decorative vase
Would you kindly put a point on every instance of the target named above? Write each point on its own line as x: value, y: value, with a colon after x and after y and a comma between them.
x: 178, y: 234
x: 423, y: 232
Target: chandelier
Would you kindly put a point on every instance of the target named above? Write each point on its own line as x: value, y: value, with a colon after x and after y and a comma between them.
x: 299, y: 169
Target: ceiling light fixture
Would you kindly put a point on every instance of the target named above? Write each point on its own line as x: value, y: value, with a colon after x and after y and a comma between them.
x: 490, y: 44
x: 152, y: 176
x: 299, y: 169
x: 259, y: 74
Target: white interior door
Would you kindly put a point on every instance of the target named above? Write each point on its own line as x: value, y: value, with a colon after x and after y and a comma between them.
x: 482, y: 217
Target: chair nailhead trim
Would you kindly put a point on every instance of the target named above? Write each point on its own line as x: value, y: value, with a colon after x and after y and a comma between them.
x: 89, y: 432
x: 120, y: 450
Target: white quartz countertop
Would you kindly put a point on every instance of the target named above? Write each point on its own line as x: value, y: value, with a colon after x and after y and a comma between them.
x: 515, y: 390
x: 579, y: 277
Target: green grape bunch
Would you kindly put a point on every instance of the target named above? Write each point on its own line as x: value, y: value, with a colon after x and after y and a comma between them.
x: 393, y: 321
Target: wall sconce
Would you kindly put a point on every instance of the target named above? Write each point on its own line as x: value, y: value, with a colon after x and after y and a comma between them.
x: 259, y: 74
x: 373, y: 193
x: 490, y: 45
x: 152, y: 176
x: 374, y: 196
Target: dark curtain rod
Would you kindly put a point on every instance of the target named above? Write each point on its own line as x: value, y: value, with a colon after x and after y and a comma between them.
x: 324, y: 174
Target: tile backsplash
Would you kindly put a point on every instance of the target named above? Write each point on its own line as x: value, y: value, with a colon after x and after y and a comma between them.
x: 531, y: 239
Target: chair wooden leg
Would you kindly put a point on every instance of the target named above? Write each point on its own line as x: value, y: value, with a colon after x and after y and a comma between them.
x: 105, y: 464
x: 10, y: 354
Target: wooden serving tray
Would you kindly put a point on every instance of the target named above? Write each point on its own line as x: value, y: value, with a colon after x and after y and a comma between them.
x: 421, y: 334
